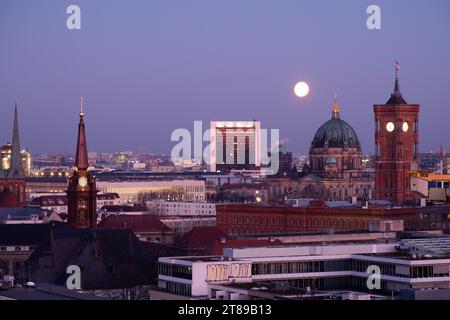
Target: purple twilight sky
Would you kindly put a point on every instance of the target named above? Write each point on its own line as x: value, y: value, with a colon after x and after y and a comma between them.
x: 146, y: 68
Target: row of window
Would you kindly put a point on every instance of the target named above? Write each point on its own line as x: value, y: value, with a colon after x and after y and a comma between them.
x: 176, y: 288
x: 350, y: 265
x: 173, y: 270
x: 278, y: 221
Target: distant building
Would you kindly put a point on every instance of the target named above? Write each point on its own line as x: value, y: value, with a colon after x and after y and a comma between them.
x: 27, y: 215
x: 45, y: 184
x: 432, y: 161
x: 178, y: 208
x: 184, y: 223
x: 243, y: 192
x: 285, y: 162
x: 235, y: 145
x: 159, y: 167
x: 135, y: 165
x: 138, y: 191
x: 58, y: 203
x: 6, y: 158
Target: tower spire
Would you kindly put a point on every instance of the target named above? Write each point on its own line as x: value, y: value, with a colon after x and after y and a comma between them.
x: 396, y: 85
x: 81, y: 158
x: 16, y: 168
x: 336, y: 109
x: 396, y: 96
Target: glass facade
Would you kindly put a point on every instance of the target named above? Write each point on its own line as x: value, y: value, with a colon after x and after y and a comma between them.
x: 174, y: 270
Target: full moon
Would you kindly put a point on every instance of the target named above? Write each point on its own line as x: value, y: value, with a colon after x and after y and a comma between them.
x: 301, y: 89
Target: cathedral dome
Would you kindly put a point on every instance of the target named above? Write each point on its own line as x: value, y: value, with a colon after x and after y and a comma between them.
x: 335, y: 133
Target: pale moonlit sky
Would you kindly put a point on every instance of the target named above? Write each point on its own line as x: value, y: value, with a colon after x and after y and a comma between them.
x: 146, y: 68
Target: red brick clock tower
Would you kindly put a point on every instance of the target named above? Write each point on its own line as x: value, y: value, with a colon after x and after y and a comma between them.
x: 396, y: 147
x: 81, y: 189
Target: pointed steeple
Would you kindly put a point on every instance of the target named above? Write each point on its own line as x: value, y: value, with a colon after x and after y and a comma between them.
x: 16, y: 169
x: 396, y: 96
x: 336, y: 109
x: 81, y: 158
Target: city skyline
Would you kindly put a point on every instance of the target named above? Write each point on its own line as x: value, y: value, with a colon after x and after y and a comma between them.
x: 232, y: 152
x: 138, y: 67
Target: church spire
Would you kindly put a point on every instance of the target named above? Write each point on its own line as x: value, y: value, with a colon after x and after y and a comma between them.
x: 16, y: 168
x: 396, y: 96
x: 336, y: 109
x: 81, y: 158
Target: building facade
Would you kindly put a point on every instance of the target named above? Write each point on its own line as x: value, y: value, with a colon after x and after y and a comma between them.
x: 235, y: 145
x: 185, y: 223
x: 58, y: 203
x: 171, y: 190
x: 240, y: 219
x: 178, y: 208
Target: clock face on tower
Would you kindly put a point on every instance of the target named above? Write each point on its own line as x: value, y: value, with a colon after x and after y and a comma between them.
x: 390, y: 126
x: 82, y: 181
x: 405, y: 126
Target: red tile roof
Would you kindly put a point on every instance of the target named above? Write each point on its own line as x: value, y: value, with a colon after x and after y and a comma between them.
x: 137, y: 223
x: 201, y: 237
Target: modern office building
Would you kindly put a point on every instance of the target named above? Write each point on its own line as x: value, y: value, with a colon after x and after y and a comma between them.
x: 235, y: 145
x: 312, y: 270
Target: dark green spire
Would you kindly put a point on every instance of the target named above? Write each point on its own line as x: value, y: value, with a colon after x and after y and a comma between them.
x: 15, y: 169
